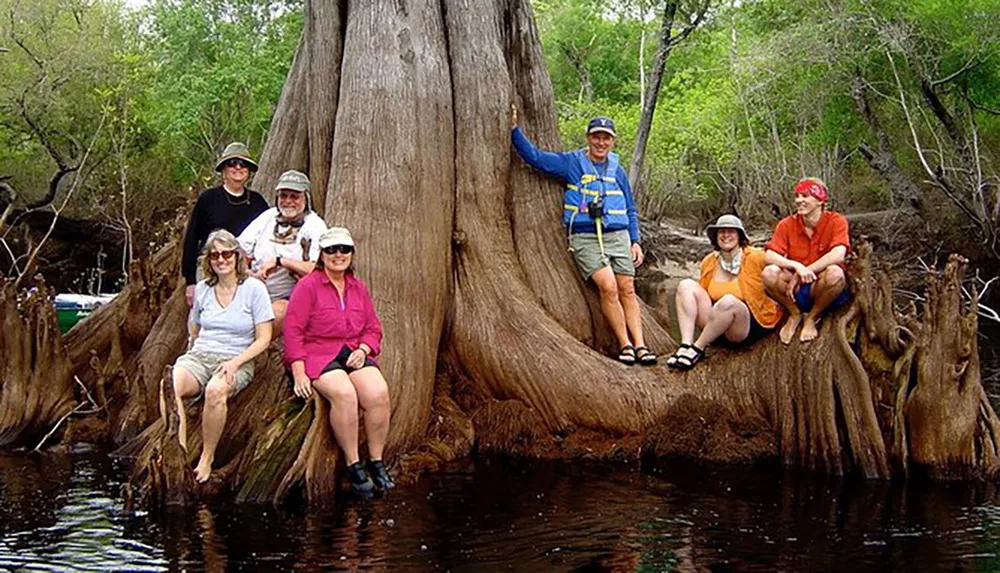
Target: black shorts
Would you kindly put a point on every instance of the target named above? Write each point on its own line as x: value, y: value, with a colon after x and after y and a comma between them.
x: 340, y: 362
x: 755, y: 333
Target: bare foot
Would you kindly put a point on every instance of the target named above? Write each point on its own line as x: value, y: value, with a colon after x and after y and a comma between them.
x: 791, y: 325
x: 809, y: 331
x: 202, y: 472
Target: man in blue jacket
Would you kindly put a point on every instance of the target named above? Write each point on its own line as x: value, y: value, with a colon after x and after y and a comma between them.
x: 602, y: 223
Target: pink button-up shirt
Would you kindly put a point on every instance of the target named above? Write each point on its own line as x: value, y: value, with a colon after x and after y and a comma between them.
x: 319, y: 323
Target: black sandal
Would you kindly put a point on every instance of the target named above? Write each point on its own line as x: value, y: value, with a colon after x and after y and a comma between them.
x: 686, y: 363
x: 644, y: 356
x: 673, y: 358
x: 627, y: 355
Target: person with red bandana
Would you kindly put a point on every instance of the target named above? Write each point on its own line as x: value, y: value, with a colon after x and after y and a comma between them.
x: 805, y: 261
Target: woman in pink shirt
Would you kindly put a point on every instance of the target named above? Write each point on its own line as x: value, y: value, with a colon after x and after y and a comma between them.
x: 332, y: 336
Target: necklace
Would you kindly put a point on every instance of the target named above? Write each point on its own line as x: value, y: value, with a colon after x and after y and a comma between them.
x: 241, y: 199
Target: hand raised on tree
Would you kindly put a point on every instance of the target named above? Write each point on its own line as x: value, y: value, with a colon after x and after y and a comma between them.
x: 513, y: 116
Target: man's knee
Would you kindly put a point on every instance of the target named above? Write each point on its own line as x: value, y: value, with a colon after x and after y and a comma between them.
x: 771, y: 275
x: 607, y: 286
x: 626, y: 286
x: 833, y: 276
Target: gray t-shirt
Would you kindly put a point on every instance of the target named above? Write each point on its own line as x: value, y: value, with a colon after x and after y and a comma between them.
x: 230, y: 330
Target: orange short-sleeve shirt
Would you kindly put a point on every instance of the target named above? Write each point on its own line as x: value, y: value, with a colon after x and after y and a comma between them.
x: 791, y: 241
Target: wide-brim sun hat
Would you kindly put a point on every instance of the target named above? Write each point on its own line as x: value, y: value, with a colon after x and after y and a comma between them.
x: 335, y: 236
x: 235, y: 150
x: 726, y: 222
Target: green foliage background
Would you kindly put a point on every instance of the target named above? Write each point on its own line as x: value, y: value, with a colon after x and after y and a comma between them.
x: 760, y: 95
x: 154, y: 92
x: 757, y: 97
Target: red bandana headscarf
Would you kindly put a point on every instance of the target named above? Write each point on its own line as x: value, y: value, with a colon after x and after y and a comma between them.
x: 812, y: 187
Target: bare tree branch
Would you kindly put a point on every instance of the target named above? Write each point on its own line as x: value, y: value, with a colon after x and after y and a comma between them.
x: 33, y: 257
x: 968, y: 66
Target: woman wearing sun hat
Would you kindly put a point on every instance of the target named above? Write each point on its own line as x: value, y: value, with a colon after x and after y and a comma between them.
x: 230, y: 206
x: 728, y: 299
x: 332, y: 338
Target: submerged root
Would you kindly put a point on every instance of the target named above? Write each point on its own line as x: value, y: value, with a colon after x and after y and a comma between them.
x: 704, y: 430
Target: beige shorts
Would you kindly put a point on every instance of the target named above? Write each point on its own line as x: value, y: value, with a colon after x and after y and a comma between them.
x: 617, y: 253
x: 202, y: 366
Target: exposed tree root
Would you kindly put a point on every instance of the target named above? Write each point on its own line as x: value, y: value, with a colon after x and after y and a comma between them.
x: 492, y: 340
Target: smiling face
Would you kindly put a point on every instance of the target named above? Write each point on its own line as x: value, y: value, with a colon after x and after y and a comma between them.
x: 336, y: 259
x: 291, y: 204
x: 223, y: 260
x: 727, y: 239
x: 806, y: 205
x: 235, y: 172
x: 599, y: 144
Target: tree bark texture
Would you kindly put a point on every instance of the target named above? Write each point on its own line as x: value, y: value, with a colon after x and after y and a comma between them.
x: 491, y: 339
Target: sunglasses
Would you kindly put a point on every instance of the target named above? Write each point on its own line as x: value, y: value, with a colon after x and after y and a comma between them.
x: 225, y: 255
x: 236, y: 163
x: 342, y: 249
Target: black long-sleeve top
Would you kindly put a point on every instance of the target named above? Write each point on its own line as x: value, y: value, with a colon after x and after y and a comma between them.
x: 217, y: 209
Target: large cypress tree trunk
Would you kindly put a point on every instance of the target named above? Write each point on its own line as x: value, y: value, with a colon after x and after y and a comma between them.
x: 491, y: 338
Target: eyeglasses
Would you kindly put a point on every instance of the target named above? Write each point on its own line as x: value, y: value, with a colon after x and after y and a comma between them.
x: 342, y: 249
x: 236, y: 163
x: 216, y: 255
x: 285, y: 195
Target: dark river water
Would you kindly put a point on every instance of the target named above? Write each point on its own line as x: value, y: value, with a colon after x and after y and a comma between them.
x: 64, y: 512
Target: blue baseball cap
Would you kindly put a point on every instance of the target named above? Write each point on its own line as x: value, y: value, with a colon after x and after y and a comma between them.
x: 601, y: 124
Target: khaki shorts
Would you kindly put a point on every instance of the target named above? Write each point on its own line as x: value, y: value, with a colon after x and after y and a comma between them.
x: 202, y: 366
x: 617, y: 253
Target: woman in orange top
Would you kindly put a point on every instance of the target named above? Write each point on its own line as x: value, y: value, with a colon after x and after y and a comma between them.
x: 728, y: 299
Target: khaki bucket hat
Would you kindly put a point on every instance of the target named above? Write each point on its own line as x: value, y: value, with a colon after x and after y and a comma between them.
x: 235, y: 150
x: 294, y: 181
x: 726, y: 222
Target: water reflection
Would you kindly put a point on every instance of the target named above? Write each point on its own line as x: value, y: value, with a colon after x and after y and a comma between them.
x: 59, y: 511
x: 56, y: 514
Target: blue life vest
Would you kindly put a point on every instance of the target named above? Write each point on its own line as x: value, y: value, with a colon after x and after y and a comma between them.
x: 593, y: 185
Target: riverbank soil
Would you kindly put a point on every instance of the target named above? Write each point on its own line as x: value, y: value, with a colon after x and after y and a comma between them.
x: 400, y: 114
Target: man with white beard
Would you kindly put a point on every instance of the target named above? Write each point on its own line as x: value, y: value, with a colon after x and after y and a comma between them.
x: 283, y: 242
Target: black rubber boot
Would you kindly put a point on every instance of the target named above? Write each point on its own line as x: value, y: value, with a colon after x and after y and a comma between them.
x: 380, y: 475
x: 360, y: 481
